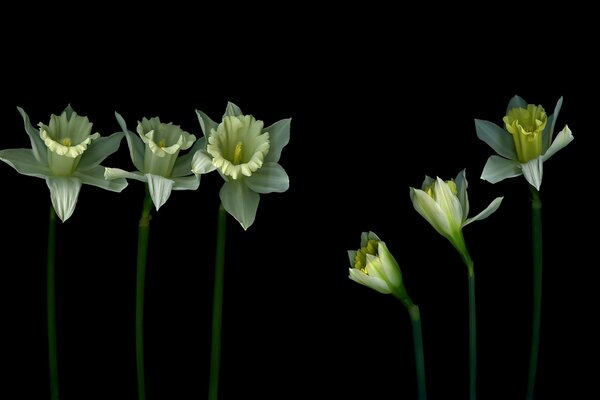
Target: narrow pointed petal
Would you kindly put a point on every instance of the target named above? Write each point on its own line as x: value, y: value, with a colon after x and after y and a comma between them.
x: 489, y: 210
x: 497, y: 169
x: 462, y: 185
x: 95, y: 177
x: 391, y: 269
x: 351, y: 256
x: 563, y: 138
x: 232, y: 110
x: 549, y: 131
x: 239, y: 201
x: 98, y: 150
x: 430, y: 210
x: 448, y: 202
x: 270, y: 178
x: 38, y: 147
x: 159, y: 188
x: 370, y: 236
x: 135, y: 144
x: 190, y: 182
x: 64, y: 192
x: 202, y: 163
x: 183, y: 164
x: 377, y: 284
x: 516, y: 102
x: 279, y: 137
x: 533, y: 170
x: 427, y: 182
x: 24, y: 162
x: 497, y: 138
x: 117, y: 173
x: 206, y: 124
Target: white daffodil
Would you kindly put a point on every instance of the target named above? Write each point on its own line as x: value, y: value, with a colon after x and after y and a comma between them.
x: 445, y: 205
x: 246, y: 155
x: 155, y: 153
x: 65, y: 154
x: 524, y: 145
x: 374, y: 266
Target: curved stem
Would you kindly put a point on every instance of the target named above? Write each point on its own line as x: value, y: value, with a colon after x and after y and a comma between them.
x: 217, y: 317
x: 536, y: 232
x: 143, y: 234
x: 415, y: 318
x: 51, y: 305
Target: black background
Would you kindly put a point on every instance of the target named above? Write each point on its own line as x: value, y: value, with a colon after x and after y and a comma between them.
x: 375, y: 105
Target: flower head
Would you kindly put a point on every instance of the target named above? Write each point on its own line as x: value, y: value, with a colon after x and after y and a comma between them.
x: 374, y: 266
x: 246, y: 155
x: 445, y: 205
x: 66, y: 154
x: 525, y: 143
x: 155, y: 153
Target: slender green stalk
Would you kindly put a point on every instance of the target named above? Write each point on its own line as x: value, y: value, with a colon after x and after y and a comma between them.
x: 217, y: 317
x: 415, y: 318
x: 472, y: 335
x: 51, y: 306
x: 536, y: 231
x: 143, y: 234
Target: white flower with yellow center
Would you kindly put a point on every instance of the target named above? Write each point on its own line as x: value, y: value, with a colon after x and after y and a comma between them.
x: 524, y: 145
x: 155, y: 153
x: 246, y: 155
x: 66, y: 155
x: 373, y: 265
x: 445, y: 205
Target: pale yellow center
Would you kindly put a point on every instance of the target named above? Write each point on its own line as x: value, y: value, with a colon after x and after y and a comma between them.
x: 360, y: 259
x: 237, y: 153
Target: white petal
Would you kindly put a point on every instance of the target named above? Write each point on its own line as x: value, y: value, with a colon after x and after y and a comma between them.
x: 533, y: 170
x: 232, y: 110
x: 369, y: 281
x: 489, y: 210
x: 206, y: 123
x: 117, y: 173
x: 427, y: 182
x: 136, y: 146
x: 351, y: 256
x: 563, y: 138
x: 191, y: 182
x: 239, y: 201
x: 279, y: 137
x: 462, y: 186
x: 63, y: 193
x: 390, y: 266
x: 24, y: 162
x: 202, y: 163
x: 497, y: 169
x: 98, y: 150
x: 516, y: 102
x: 431, y: 211
x: 95, y: 177
x: 159, y: 188
x: 497, y: 138
x: 183, y: 164
x: 38, y: 147
x: 270, y: 178
x: 448, y: 202
x: 549, y: 131
x: 370, y: 236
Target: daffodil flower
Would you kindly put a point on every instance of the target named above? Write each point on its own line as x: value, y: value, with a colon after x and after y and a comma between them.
x: 246, y: 155
x: 66, y: 155
x: 525, y: 143
x: 374, y: 266
x: 155, y: 154
x: 445, y: 205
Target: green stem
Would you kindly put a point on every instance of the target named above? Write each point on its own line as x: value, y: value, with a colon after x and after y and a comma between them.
x: 472, y: 321
x: 143, y: 234
x: 215, y: 353
x: 536, y: 231
x: 415, y: 318
x: 51, y: 306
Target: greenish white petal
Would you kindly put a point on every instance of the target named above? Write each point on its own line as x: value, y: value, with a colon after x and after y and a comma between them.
x: 135, y: 144
x: 516, y: 102
x: 24, y: 162
x: 239, y: 201
x: 533, y: 170
x: 489, y: 210
x: 95, y: 177
x: 202, y: 163
x: 183, y: 164
x: 448, y: 202
x: 391, y: 269
x: 431, y: 211
x: 37, y: 144
x: 159, y: 188
x: 497, y: 169
x: 279, y: 137
x: 372, y: 282
x: 206, y: 123
x: 117, y: 173
x: 351, y: 256
x: 270, y: 178
x: 64, y: 191
x: 461, y: 187
x: 190, y: 182
x: 98, y: 150
x: 563, y: 138
x: 497, y: 138
x: 232, y: 110
x: 547, y: 136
